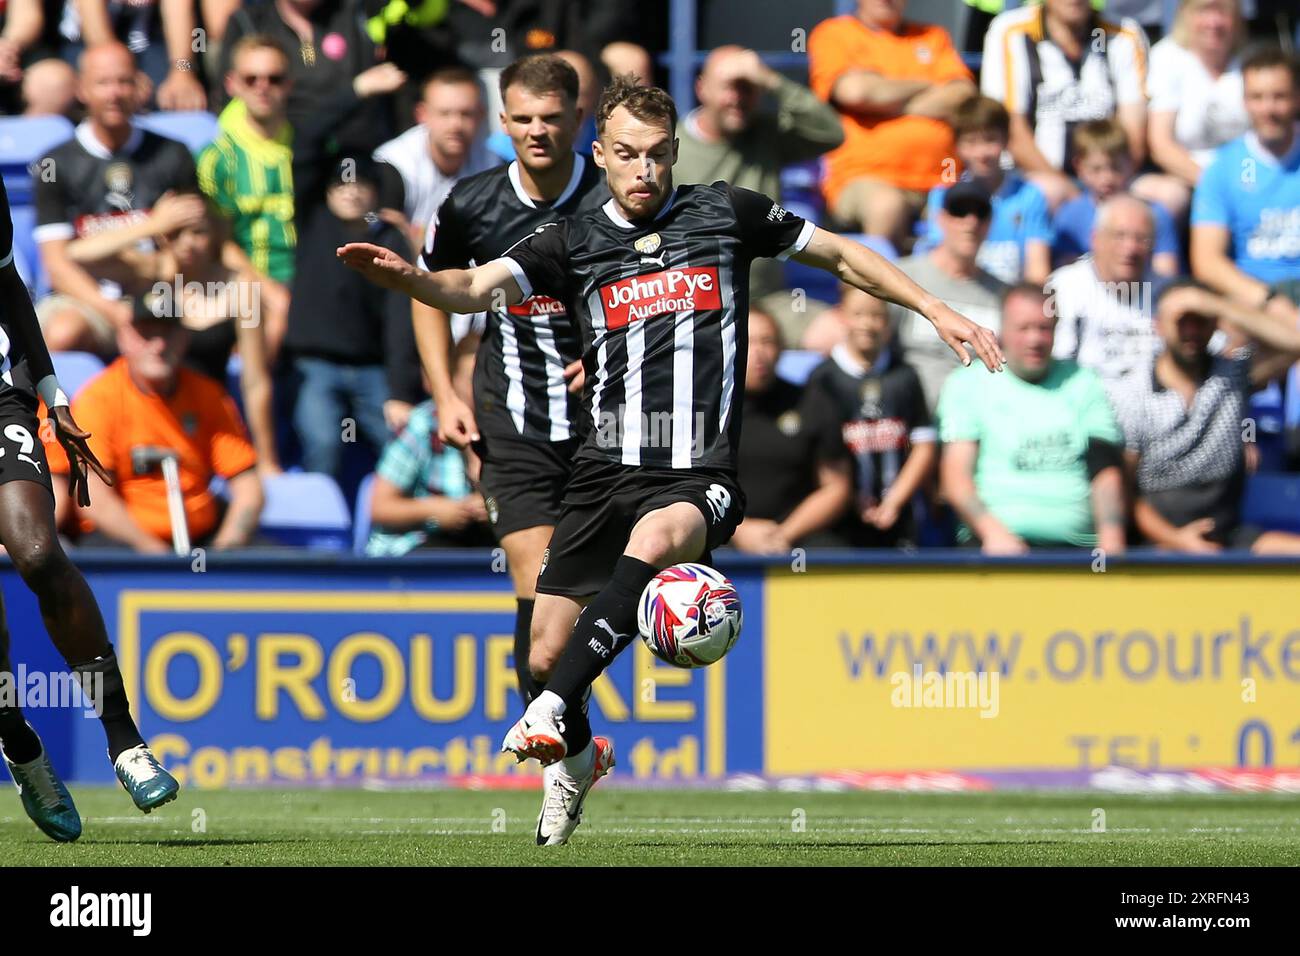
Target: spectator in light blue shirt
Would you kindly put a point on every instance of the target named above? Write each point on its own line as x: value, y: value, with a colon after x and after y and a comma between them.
x: 422, y: 495
x: 1020, y: 234
x: 1246, y: 207
x: 1104, y: 165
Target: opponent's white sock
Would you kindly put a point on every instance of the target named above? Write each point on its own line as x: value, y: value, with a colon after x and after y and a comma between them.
x: 579, y: 765
x: 546, y: 702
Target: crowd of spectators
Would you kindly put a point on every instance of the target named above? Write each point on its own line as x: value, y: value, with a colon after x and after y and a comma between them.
x: 1127, y: 217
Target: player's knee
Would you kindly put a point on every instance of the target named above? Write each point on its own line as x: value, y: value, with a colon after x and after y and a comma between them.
x: 541, y: 661
x: 39, y: 559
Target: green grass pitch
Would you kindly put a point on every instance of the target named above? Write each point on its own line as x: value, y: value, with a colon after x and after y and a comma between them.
x: 644, y: 827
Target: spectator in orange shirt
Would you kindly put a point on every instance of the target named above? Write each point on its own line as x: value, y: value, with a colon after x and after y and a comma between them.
x: 896, y: 84
x: 146, y: 399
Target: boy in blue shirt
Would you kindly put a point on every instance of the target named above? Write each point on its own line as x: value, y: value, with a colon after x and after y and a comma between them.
x: 1020, y: 235
x: 1104, y: 165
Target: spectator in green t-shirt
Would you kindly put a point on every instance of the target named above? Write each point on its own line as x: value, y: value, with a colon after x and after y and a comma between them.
x: 1032, y: 458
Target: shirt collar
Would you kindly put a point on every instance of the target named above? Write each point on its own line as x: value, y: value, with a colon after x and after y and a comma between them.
x: 841, y: 357
x: 579, y: 164
x: 91, y: 144
x: 1266, y: 156
x: 618, y: 219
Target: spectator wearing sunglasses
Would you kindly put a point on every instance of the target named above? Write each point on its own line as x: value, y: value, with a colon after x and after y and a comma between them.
x: 951, y: 272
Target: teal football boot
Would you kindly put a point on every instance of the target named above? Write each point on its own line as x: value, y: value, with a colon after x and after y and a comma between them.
x: 45, y: 798
x: 144, y: 778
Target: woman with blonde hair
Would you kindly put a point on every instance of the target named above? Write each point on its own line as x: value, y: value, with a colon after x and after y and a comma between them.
x: 1197, y: 103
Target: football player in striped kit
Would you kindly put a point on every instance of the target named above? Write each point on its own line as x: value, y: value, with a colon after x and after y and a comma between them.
x: 657, y: 278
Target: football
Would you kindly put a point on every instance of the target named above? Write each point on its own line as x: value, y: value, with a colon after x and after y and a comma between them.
x: 689, y: 615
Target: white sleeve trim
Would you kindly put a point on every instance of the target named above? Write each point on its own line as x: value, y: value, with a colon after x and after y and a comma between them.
x: 7, y: 259
x: 923, y: 435
x: 54, y: 231
x: 49, y: 391
x: 520, y: 276
x: 805, y: 237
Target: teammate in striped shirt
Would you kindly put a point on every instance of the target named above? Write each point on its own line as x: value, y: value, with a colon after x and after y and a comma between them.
x: 67, y: 605
x: 525, y: 422
x: 658, y: 278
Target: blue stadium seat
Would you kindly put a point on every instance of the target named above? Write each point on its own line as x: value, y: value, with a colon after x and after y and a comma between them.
x: 75, y: 369
x: 194, y: 128
x: 1266, y: 409
x: 361, y: 516
x: 27, y: 254
x: 795, y: 365
x: 1272, y: 502
x: 306, y: 509
x: 23, y: 141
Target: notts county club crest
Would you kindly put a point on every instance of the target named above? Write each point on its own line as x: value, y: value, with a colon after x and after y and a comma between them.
x: 648, y: 244
x: 871, y: 399
x: 118, y: 180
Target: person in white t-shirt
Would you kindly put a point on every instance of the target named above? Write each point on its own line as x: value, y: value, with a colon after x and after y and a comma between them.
x: 1197, y: 103
x: 1102, y: 302
x: 444, y: 146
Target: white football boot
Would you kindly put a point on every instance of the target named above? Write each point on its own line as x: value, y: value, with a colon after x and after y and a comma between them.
x: 563, y: 794
x: 538, y: 733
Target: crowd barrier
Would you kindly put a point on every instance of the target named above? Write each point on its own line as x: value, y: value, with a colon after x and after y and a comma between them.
x: 302, y: 670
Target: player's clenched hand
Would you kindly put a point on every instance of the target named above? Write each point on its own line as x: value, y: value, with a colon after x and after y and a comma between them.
x: 381, y: 266
x: 959, y: 331
x: 456, y: 425
x: 575, y: 374
x: 73, y: 440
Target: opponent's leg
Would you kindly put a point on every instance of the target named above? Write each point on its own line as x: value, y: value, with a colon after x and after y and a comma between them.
x: 45, y: 799
x: 75, y: 625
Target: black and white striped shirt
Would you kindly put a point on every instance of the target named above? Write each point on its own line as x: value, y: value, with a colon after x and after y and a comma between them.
x: 519, y: 386
x: 663, y: 307
x: 1031, y: 76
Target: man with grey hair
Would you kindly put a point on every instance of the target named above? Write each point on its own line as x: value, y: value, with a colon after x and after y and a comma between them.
x: 1103, y: 301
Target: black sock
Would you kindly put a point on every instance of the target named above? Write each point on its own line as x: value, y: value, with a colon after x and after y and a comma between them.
x: 529, y: 686
x: 19, y: 741
x: 102, y: 682
x: 605, y: 627
x: 577, y: 728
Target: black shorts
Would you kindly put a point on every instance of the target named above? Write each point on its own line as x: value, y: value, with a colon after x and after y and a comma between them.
x: 22, y: 454
x: 523, y: 481
x: 604, y: 501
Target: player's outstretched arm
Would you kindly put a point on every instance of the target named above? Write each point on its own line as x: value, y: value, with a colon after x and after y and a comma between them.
x: 17, y: 305
x: 858, y: 266
x: 489, y: 286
